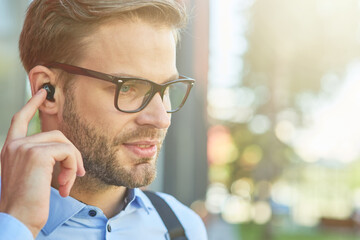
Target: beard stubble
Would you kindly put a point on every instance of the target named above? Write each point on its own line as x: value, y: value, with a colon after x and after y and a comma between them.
x: 103, y: 165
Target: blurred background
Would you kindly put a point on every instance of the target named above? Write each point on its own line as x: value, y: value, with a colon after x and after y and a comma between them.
x: 268, y: 145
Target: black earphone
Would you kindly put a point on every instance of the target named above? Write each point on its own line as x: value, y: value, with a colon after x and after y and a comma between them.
x: 50, y: 89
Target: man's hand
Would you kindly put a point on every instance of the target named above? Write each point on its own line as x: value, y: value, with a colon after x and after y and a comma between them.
x: 27, y: 165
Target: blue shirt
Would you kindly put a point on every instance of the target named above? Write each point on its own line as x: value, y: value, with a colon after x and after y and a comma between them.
x: 72, y: 219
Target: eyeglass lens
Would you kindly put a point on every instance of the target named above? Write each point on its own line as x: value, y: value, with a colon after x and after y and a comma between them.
x: 134, y: 94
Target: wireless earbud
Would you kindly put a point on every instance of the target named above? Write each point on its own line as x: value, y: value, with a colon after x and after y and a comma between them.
x: 50, y: 91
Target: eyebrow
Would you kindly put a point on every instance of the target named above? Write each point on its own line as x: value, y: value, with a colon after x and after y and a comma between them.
x: 126, y: 75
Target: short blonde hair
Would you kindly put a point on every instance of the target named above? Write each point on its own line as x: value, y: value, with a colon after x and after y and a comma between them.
x: 55, y: 30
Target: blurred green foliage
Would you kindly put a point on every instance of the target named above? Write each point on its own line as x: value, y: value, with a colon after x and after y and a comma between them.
x: 250, y: 231
x: 291, y: 47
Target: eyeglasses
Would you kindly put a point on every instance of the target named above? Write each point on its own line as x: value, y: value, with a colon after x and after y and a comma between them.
x: 134, y: 94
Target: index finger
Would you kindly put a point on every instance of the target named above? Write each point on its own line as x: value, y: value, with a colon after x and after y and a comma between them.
x: 20, y: 121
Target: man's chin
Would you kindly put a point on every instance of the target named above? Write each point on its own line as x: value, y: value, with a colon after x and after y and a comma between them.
x: 142, y: 175
x: 139, y: 176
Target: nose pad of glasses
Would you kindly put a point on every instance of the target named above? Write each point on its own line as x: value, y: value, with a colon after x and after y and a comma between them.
x: 150, y: 95
x: 146, y: 97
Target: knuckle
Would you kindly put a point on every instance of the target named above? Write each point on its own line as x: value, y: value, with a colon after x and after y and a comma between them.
x: 75, y: 152
x: 22, y: 148
x: 67, y: 146
x: 57, y: 133
x: 10, y: 148
x: 32, y: 152
x: 79, y: 154
x: 13, y: 146
x: 60, y: 135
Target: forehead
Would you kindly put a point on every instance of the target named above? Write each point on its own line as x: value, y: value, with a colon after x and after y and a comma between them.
x: 135, y: 48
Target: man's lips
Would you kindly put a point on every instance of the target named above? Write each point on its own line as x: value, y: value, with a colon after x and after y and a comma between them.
x: 143, y: 149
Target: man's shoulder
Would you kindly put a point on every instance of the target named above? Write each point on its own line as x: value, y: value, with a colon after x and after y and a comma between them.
x: 191, y: 221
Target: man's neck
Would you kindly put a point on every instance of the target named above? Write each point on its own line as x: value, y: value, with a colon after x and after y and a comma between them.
x: 110, y: 199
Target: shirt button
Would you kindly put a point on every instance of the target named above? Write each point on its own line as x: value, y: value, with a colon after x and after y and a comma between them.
x: 92, y: 213
x: 109, y: 228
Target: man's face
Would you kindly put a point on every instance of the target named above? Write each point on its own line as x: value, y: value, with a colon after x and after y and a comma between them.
x: 120, y: 148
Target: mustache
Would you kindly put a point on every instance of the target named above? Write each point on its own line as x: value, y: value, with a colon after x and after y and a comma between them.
x: 142, y: 132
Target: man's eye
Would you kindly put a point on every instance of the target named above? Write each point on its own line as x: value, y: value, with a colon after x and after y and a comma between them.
x: 125, y: 89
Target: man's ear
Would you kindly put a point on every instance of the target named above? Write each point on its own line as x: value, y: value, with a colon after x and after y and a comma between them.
x: 40, y: 76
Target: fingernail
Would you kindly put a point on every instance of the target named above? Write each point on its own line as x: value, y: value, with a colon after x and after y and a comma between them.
x: 39, y: 92
x: 81, y: 174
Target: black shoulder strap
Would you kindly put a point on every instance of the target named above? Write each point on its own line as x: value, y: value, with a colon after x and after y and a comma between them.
x: 172, y: 223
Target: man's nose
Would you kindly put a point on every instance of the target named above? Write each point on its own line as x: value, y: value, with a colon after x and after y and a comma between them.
x: 155, y: 114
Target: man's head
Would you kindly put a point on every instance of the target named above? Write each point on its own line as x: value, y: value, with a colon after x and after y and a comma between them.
x: 57, y: 30
x: 122, y: 38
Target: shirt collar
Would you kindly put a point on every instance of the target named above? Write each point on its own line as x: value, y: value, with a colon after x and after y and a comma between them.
x: 143, y: 201
x: 62, y: 209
